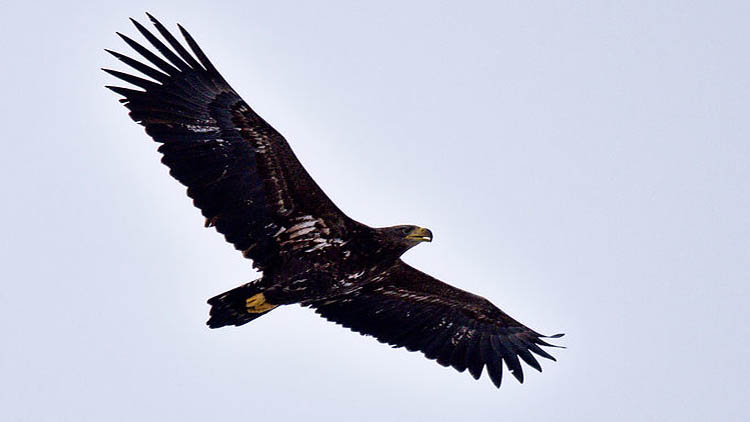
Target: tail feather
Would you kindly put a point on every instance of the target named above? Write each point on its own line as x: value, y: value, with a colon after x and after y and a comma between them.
x: 230, y: 308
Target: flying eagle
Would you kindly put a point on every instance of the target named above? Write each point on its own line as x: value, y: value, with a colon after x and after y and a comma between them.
x: 249, y: 185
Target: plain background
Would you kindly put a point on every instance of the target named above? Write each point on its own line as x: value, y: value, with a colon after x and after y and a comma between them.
x: 584, y: 165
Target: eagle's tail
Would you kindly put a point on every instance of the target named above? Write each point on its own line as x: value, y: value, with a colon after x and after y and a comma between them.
x: 238, y: 306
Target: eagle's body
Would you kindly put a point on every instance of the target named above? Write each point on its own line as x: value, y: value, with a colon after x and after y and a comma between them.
x: 247, y: 182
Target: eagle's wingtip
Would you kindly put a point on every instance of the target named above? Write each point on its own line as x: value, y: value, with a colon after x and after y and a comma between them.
x: 555, y: 345
x: 557, y: 335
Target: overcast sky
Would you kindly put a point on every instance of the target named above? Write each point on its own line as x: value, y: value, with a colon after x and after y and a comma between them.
x: 584, y: 166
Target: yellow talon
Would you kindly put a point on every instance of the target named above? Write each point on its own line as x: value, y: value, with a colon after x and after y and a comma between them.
x: 257, y: 304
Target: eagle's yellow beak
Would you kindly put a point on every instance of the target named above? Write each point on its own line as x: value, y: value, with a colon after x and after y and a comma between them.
x: 420, y: 234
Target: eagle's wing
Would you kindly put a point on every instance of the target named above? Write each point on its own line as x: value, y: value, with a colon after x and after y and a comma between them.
x: 239, y: 171
x: 408, y: 308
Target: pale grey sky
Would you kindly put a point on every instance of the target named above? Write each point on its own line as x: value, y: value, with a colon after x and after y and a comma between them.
x: 584, y: 165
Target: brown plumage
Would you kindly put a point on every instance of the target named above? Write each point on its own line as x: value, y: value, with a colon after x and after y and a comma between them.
x: 249, y: 185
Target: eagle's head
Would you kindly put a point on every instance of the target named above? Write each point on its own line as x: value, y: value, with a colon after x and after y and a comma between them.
x: 400, y: 239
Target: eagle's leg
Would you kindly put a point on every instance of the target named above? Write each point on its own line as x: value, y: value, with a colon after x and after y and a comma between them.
x: 257, y: 304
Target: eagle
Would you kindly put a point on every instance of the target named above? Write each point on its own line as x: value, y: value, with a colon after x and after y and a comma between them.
x: 249, y: 186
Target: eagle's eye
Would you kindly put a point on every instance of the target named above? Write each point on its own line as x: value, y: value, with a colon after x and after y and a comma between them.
x: 406, y: 230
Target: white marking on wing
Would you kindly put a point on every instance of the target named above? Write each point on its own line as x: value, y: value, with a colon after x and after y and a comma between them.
x: 318, y: 246
x: 301, y: 232
x: 357, y: 275
x: 202, y: 129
